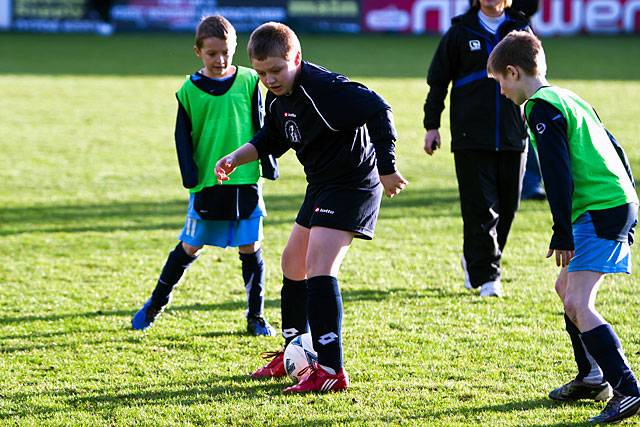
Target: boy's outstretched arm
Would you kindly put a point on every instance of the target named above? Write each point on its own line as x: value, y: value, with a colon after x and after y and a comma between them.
x: 383, y: 136
x: 245, y: 154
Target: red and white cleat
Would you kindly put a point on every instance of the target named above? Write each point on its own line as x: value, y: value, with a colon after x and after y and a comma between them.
x: 320, y: 380
x: 273, y: 369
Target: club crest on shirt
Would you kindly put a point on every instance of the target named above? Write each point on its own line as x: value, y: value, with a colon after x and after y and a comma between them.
x: 292, y: 132
x: 474, y: 45
x: 540, y: 128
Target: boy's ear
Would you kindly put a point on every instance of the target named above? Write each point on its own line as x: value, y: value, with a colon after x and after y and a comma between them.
x: 196, y: 50
x: 298, y: 58
x: 513, y: 72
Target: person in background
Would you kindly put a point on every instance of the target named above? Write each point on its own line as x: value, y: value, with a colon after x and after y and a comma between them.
x: 488, y: 136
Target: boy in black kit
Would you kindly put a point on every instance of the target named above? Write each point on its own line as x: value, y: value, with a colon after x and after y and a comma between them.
x: 322, y: 116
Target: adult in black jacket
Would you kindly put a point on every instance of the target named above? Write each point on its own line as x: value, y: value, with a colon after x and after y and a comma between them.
x: 487, y: 135
x: 532, y: 188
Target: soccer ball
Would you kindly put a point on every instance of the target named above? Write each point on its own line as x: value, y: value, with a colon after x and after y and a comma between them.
x: 298, y: 355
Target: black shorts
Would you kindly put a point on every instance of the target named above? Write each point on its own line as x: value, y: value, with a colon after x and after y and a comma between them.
x: 348, y: 209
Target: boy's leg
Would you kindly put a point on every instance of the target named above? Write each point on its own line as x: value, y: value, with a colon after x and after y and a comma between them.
x: 293, y: 302
x: 327, y: 248
x: 589, y: 383
x: 293, y: 296
x: 598, y: 336
x: 603, y: 344
x: 253, y: 275
x: 182, y: 256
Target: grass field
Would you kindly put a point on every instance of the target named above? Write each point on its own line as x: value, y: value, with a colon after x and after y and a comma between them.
x: 91, y: 203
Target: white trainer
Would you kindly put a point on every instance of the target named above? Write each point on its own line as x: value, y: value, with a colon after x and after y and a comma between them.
x: 467, y: 281
x: 491, y: 289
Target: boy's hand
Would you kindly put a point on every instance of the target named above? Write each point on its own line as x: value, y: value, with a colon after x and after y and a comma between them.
x: 225, y: 167
x: 431, y: 141
x: 393, y: 183
x: 563, y: 257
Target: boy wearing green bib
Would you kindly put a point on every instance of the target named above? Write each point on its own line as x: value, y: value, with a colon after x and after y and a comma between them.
x: 594, y: 205
x: 219, y: 108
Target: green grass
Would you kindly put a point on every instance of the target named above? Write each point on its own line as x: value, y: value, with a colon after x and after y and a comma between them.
x: 91, y: 203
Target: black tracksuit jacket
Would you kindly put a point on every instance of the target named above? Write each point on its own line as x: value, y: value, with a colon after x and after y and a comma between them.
x: 481, y: 118
x: 323, y: 119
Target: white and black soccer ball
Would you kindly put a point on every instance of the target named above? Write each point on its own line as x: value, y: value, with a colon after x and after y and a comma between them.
x: 298, y: 355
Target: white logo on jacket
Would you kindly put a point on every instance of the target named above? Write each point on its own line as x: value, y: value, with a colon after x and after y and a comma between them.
x: 540, y: 128
x: 474, y: 45
x: 292, y: 131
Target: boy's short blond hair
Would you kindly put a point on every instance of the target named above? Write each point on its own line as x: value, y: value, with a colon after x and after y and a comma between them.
x: 214, y: 26
x: 505, y: 3
x: 272, y: 39
x: 518, y: 49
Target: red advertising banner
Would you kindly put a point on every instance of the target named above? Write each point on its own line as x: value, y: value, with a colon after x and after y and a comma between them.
x: 556, y: 17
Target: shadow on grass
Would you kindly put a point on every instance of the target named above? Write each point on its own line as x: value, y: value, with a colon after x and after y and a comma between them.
x: 237, y: 387
x: 223, y: 306
x: 242, y: 388
x: 349, y: 295
x: 160, y: 215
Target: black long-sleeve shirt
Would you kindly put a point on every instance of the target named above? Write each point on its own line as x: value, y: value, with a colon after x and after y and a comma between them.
x: 550, y: 128
x: 323, y: 120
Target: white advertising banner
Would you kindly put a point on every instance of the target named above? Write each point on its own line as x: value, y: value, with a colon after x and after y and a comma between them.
x: 555, y: 17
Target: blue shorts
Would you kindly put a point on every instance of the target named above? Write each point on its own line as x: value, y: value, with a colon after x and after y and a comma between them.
x: 199, y: 232
x: 595, y: 254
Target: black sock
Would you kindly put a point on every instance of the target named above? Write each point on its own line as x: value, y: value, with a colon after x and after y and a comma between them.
x: 293, y: 308
x: 253, y: 275
x: 324, y: 306
x: 177, y: 262
x: 604, y: 346
x: 584, y: 366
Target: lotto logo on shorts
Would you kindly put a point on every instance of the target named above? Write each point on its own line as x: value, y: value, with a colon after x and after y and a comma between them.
x: 326, y: 211
x: 328, y: 338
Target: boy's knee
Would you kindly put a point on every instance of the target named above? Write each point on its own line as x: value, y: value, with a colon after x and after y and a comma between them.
x: 571, y: 308
x: 561, y: 287
x: 191, y: 250
x: 293, y: 265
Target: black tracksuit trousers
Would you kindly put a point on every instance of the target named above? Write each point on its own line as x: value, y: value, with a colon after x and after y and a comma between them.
x: 489, y: 183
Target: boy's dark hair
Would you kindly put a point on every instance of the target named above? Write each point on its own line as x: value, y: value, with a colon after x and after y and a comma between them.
x: 518, y: 49
x: 272, y: 39
x: 214, y: 26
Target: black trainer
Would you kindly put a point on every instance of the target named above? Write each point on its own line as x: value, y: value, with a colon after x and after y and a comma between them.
x: 577, y: 389
x: 617, y: 409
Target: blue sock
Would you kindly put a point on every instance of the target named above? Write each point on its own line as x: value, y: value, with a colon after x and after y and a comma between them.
x: 253, y: 275
x: 584, y: 366
x: 324, y: 306
x: 177, y: 262
x: 293, y: 307
x: 604, y: 346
